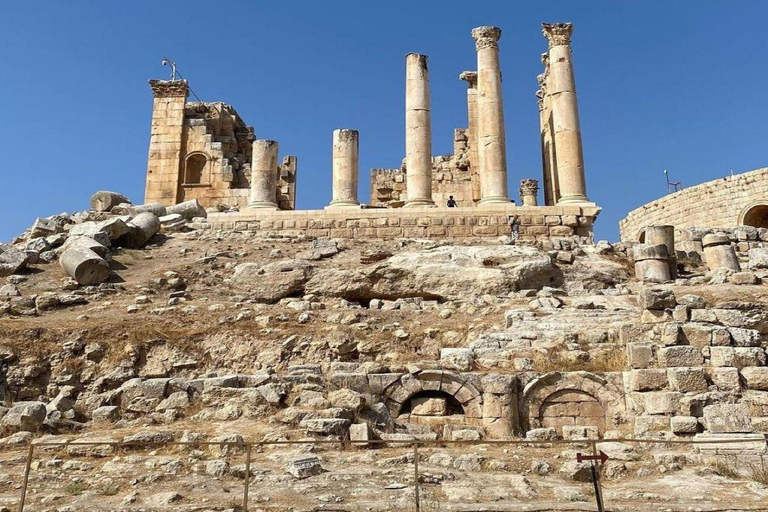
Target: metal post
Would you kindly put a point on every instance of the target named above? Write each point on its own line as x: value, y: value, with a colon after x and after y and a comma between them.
x: 247, y: 476
x: 416, y: 475
x: 596, y: 480
x: 26, y: 477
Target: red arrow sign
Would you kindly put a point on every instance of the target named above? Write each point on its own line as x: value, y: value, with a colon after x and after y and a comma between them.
x: 602, y: 457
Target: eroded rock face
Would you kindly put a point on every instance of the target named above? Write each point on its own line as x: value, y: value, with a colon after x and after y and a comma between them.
x: 456, y: 272
x: 274, y: 281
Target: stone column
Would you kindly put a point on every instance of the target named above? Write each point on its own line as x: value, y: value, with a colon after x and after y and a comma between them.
x: 418, y: 132
x: 561, y: 87
x: 492, y: 147
x: 549, y: 163
x: 345, y: 163
x: 655, y: 235
x: 474, y: 164
x: 528, y: 192
x: 264, y: 174
x: 164, y: 161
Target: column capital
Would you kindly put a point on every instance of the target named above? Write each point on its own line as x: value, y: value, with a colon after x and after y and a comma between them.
x: 558, y: 34
x: 486, y: 37
x: 470, y: 77
x: 169, y: 88
x: 529, y: 187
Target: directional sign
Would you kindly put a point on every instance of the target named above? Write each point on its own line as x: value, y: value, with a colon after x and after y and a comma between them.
x: 602, y: 457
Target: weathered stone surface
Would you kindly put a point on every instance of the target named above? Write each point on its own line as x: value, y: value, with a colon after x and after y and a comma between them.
x: 662, y: 402
x: 273, y: 281
x: 304, y: 467
x: 648, y: 380
x: 104, y: 201
x: 758, y: 258
x: 424, y: 406
x: 325, y: 426
x: 687, y: 380
x: 640, y: 354
x: 755, y: 377
x: 684, y: 424
x: 655, y: 298
x: 727, y: 418
x: 28, y: 416
x: 12, y: 260
x: 454, y: 272
x: 680, y: 356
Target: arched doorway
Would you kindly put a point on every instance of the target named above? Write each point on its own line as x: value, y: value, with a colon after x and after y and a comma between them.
x: 571, y: 407
x: 194, y: 169
x: 755, y: 215
x: 432, y: 403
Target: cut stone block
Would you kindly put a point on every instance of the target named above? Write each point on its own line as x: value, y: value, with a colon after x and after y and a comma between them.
x: 727, y: 418
x: 424, y: 406
x: 648, y: 380
x: 684, y: 424
x: 687, y: 380
x: 680, y: 356
x: 755, y: 377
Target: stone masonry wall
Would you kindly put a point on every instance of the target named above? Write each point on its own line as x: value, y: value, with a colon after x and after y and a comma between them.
x: 536, y: 223
x: 717, y: 203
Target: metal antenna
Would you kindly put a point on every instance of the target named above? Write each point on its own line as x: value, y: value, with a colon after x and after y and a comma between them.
x: 672, y: 185
x: 169, y: 62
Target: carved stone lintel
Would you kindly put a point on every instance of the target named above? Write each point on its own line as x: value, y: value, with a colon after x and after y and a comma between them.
x: 470, y: 77
x: 486, y: 37
x: 529, y: 187
x: 169, y: 88
x: 558, y: 34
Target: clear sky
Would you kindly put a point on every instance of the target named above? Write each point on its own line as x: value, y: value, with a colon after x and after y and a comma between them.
x: 675, y: 84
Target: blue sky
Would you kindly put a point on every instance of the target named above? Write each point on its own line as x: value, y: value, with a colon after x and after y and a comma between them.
x: 675, y: 84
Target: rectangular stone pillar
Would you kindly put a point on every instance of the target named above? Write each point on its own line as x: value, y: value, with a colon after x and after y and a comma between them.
x: 474, y: 164
x: 165, y: 141
x: 492, y: 147
x: 561, y: 87
x: 418, y: 132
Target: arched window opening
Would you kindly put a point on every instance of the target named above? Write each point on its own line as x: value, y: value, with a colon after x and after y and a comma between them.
x: 757, y: 216
x: 194, y: 169
x: 432, y: 403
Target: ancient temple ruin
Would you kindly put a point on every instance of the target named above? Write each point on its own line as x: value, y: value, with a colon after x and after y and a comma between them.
x: 205, y: 151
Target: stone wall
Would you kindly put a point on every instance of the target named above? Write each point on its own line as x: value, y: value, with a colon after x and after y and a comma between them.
x: 535, y: 223
x: 725, y: 202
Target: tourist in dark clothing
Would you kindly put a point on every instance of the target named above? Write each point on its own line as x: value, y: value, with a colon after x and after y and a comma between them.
x: 451, y: 202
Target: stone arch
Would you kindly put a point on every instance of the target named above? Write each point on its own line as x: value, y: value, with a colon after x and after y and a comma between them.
x: 556, y: 399
x: 196, y: 168
x: 755, y: 214
x: 399, y: 392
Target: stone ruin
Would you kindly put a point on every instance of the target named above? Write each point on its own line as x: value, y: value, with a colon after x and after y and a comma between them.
x: 204, y: 151
x: 420, y: 323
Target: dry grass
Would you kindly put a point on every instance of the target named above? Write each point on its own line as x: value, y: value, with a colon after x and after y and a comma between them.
x: 613, y: 359
x: 738, y: 467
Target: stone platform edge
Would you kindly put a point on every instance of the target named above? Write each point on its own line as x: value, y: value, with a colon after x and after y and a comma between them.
x: 535, y: 222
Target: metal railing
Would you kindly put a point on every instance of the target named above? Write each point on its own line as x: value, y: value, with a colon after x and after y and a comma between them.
x: 596, y: 456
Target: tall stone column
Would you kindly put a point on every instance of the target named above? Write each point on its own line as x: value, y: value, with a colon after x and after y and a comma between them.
x: 346, y: 150
x: 561, y: 87
x: 264, y: 174
x: 551, y: 191
x: 418, y: 132
x: 492, y: 147
x: 164, y: 161
x: 474, y: 164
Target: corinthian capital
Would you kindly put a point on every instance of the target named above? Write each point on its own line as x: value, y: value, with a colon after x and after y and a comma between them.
x: 169, y: 88
x: 486, y: 37
x: 558, y: 34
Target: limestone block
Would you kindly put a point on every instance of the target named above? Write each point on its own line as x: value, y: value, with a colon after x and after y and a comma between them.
x: 104, y: 201
x: 744, y: 337
x: 680, y: 356
x: 652, y: 271
x: 648, y: 380
x: 84, y: 266
x: 670, y: 334
x: 360, y: 432
x: 758, y: 258
x: 655, y: 298
x: 692, y: 301
x: 725, y: 378
x: 662, y: 402
x: 721, y: 257
x: 648, y: 425
x: 681, y: 313
x: 743, y: 278
x: 640, y: 355
x: 704, y: 316
x: 425, y: 406
x: 752, y: 444
x: 655, y: 316
x: 579, y: 432
x: 755, y: 377
x: 684, y: 424
x: 687, y: 380
x: 727, y: 418
x: 697, y: 335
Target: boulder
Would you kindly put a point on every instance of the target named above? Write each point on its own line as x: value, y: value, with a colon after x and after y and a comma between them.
x: 273, y: 281
x: 12, y: 261
x: 456, y: 272
x: 28, y: 416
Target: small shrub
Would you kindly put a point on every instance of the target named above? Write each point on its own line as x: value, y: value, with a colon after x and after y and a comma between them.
x: 75, y: 488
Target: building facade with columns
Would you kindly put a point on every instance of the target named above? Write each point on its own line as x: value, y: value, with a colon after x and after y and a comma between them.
x: 243, y: 170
